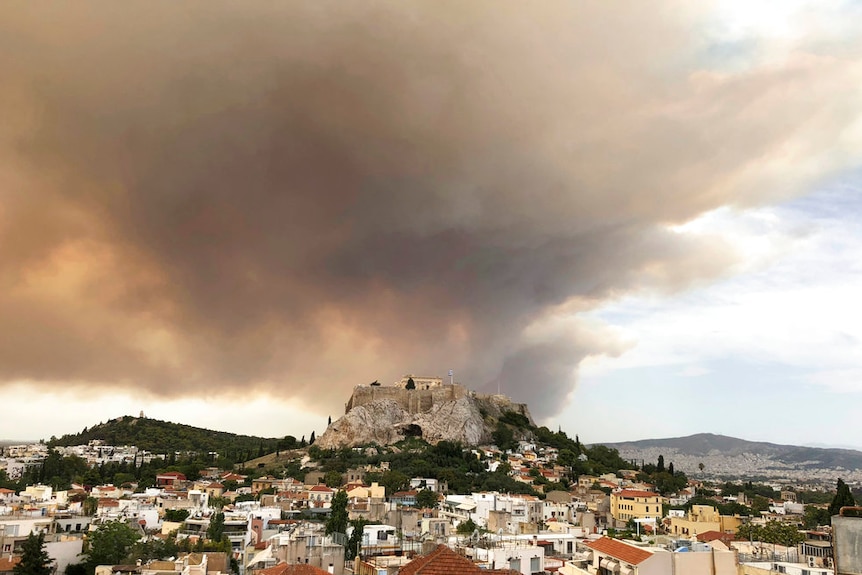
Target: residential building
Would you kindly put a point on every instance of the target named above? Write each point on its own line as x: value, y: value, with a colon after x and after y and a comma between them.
x: 703, y: 518
x: 631, y: 504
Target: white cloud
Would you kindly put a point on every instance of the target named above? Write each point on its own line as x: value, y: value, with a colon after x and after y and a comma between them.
x: 796, y: 302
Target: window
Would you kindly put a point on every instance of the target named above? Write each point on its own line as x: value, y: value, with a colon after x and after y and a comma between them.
x: 534, y: 564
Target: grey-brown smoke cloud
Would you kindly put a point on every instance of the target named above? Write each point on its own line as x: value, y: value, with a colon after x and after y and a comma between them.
x: 300, y: 197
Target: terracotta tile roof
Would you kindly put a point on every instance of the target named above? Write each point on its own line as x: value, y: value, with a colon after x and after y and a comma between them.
x: 708, y: 536
x: 293, y: 569
x: 619, y: 550
x: 444, y: 561
x: 8, y: 563
x: 322, y: 488
x: 441, y: 561
x: 410, y: 493
x: 636, y: 493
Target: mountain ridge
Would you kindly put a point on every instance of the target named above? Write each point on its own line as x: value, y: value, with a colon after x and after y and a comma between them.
x: 715, y: 445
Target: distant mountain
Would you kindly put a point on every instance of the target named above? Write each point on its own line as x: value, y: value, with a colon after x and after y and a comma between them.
x: 725, y: 455
x: 162, y: 437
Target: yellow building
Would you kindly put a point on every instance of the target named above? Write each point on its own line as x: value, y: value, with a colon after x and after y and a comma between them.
x: 703, y: 518
x: 631, y: 504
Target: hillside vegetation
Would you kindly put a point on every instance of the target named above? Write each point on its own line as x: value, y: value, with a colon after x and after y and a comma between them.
x: 163, y: 437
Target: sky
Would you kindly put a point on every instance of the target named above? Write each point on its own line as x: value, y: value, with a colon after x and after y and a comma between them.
x: 641, y: 220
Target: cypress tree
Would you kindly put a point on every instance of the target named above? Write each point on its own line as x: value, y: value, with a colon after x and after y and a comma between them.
x: 34, y: 559
x: 843, y: 498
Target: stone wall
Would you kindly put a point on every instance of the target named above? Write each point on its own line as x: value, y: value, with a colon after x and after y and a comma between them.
x: 411, y: 400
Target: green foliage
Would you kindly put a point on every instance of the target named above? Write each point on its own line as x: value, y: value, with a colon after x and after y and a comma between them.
x: 176, y: 515
x: 410, y: 384
x: 337, y: 521
x: 732, y: 508
x: 426, y: 499
x: 392, y: 480
x: 355, y: 541
x: 515, y: 419
x: 843, y: 498
x: 34, y: 558
x: 466, y: 527
x: 772, y: 532
x: 154, y: 549
x: 162, y: 436
x: 215, y: 531
x: 110, y: 544
x: 504, y: 437
x: 814, y: 517
x: 332, y: 479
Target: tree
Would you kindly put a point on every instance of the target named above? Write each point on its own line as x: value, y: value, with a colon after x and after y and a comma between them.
x: 34, y: 559
x: 332, y: 479
x: 215, y: 531
x: 337, y: 521
x: 329, y: 421
x: 355, y: 542
x: 701, y: 466
x: 176, y: 515
x: 660, y: 465
x: 843, y: 498
x: 410, y: 384
x: 110, y: 544
x: 311, y: 440
x: 815, y: 517
x: 670, y: 468
x: 426, y: 499
x: 503, y: 437
x: 466, y: 527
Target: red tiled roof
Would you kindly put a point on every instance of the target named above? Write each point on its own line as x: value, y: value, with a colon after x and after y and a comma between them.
x: 708, y: 536
x: 176, y: 474
x: 635, y: 493
x: 7, y: 564
x: 441, y: 561
x: 444, y: 561
x: 619, y: 550
x: 4, y: 490
x: 323, y: 488
x: 293, y: 569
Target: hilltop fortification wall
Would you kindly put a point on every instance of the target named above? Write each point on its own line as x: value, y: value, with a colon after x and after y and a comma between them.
x: 411, y: 400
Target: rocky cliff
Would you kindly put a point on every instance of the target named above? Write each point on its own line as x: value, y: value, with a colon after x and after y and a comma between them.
x: 468, y: 418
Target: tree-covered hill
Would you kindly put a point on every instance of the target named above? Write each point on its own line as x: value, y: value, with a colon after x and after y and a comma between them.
x: 162, y: 437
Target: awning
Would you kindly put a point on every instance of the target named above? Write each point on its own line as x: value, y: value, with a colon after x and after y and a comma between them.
x: 626, y: 571
x: 613, y: 566
x: 466, y: 506
x: 261, y: 557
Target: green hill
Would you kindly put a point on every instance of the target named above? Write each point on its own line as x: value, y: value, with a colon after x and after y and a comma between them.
x: 163, y: 437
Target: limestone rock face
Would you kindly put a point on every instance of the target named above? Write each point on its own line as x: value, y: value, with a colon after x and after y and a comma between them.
x: 468, y: 419
x: 458, y: 420
x: 380, y: 421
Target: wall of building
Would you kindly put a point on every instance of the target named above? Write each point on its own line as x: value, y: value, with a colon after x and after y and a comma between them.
x: 703, y: 563
x: 411, y: 400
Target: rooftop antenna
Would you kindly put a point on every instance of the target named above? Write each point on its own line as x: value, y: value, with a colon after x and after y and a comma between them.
x: 451, y: 375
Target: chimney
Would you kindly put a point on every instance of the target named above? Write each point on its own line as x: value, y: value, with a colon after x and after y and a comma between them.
x: 331, y: 568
